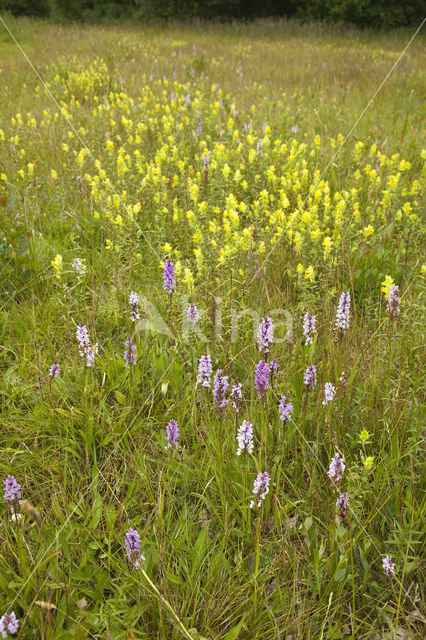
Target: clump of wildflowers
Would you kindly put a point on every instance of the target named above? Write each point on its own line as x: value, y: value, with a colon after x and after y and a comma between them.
x: 261, y: 378
x: 90, y: 355
x: 274, y: 365
x: 172, y: 435
x: 265, y: 334
x: 220, y: 388
x: 260, y: 489
x: 343, y: 311
x: 329, y: 392
x: 169, y: 278
x: 337, y: 469
x: 205, y: 371
x: 394, y: 302
x: 12, y: 490
x: 388, y: 566
x: 342, y: 505
x: 273, y: 369
x: 134, y: 306
x: 192, y: 314
x: 245, y: 438
x: 309, y: 327
x: 310, y: 377
x: 54, y: 371
x: 129, y: 355
x: 8, y: 624
x: 82, y: 337
x: 79, y: 266
x: 132, y: 544
x: 86, y: 351
x: 285, y: 408
x: 237, y: 396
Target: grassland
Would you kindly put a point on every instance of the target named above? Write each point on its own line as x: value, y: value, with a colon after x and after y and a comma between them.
x: 276, y: 165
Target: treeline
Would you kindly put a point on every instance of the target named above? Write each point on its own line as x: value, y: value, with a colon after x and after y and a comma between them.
x: 375, y: 13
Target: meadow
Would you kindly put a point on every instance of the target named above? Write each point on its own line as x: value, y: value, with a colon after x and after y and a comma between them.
x: 212, y: 332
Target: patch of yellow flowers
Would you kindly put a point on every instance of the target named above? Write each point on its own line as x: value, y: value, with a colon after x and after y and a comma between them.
x: 214, y: 187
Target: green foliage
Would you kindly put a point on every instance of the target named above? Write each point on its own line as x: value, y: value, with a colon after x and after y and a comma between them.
x: 15, y: 257
x: 379, y: 14
x: 39, y: 8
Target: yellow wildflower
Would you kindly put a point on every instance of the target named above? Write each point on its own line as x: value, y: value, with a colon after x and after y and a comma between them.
x: 364, y: 435
x: 57, y: 264
x: 386, y: 285
x: 369, y: 462
x: 188, y: 278
x: 310, y: 274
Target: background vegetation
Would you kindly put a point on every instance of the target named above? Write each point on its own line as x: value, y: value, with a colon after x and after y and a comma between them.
x: 374, y: 13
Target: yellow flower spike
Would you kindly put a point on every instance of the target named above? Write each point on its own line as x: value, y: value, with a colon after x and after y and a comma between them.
x: 188, y: 279
x: 368, y: 231
x: 364, y: 436
x: 197, y: 236
x: 369, y: 462
x: 310, y: 274
x: 53, y: 174
x: 386, y: 285
x: 57, y: 264
x: 404, y: 165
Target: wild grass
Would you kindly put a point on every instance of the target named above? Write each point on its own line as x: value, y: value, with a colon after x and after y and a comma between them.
x: 118, y: 180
